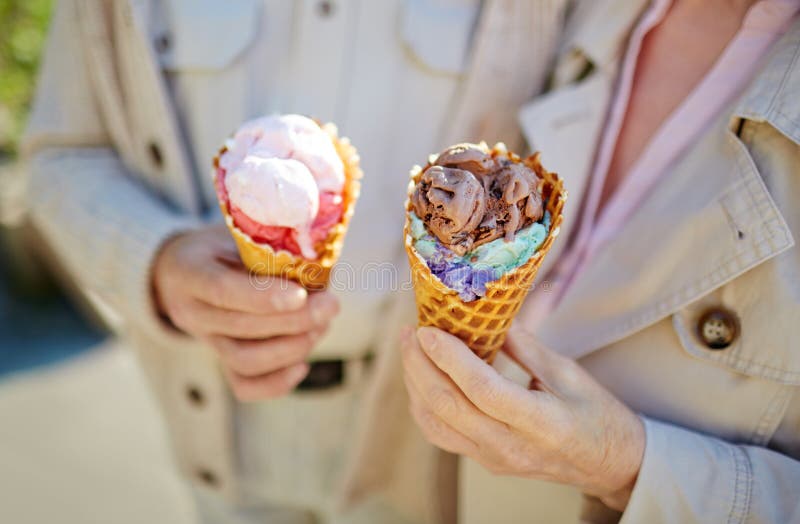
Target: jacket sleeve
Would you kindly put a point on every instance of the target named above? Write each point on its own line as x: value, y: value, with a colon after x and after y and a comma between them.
x: 688, y: 477
x: 102, y: 225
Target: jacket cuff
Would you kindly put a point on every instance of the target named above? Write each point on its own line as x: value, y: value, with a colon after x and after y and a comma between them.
x: 689, y: 477
x: 141, y: 308
x: 106, y: 230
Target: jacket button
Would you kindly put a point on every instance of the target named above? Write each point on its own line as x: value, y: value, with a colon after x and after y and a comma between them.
x: 195, y: 395
x: 718, y: 328
x: 208, y: 478
x: 156, y: 156
x: 162, y: 43
x: 325, y: 8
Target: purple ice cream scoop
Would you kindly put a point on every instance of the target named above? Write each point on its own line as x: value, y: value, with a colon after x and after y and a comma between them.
x: 468, y: 281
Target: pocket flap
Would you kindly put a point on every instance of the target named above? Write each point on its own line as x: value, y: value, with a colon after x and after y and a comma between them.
x: 758, y: 350
x: 439, y: 32
x: 208, y: 35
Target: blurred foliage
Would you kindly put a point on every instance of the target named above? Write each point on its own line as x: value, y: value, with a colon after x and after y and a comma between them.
x: 23, y: 27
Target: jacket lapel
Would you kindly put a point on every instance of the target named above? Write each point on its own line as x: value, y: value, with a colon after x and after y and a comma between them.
x: 564, y: 126
x: 135, y: 100
x: 565, y: 123
x: 710, y: 220
x: 95, y: 29
x: 513, y: 47
x: 774, y: 93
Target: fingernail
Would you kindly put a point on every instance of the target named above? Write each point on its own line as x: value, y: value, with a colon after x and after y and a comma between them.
x: 323, y: 309
x: 290, y: 299
x: 427, y: 337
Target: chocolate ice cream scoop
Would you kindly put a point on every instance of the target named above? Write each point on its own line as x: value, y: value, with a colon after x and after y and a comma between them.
x: 466, y: 156
x: 513, y: 201
x: 520, y: 192
x: 452, y: 203
x: 469, y: 197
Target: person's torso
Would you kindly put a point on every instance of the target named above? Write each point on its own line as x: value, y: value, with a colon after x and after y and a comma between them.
x: 716, y: 234
x: 710, y: 247
x: 690, y: 313
x: 373, y: 68
x: 712, y: 235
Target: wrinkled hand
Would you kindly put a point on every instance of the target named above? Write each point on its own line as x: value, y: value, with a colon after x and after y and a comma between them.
x: 566, y: 428
x: 262, y: 334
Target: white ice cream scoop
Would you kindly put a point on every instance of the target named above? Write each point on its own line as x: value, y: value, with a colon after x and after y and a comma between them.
x: 289, y: 136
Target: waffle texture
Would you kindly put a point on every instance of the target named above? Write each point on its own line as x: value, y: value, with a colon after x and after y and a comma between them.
x: 483, y: 323
x: 262, y: 259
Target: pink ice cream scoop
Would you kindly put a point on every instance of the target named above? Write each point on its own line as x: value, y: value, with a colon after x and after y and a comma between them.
x: 282, y: 180
x: 289, y: 136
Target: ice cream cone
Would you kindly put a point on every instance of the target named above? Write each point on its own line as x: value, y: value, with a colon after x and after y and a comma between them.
x: 483, y: 323
x: 262, y: 259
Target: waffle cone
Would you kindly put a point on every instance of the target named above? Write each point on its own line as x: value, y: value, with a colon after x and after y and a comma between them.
x: 483, y: 323
x: 262, y: 259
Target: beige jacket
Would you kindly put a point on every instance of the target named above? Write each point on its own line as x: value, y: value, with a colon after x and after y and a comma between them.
x: 716, y: 232
x: 723, y: 426
x: 136, y: 95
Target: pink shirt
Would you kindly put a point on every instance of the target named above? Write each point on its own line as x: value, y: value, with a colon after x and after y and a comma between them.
x: 764, y: 23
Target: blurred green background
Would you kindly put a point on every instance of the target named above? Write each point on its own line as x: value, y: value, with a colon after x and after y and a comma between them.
x: 23, y: 25
x: 39, y: 324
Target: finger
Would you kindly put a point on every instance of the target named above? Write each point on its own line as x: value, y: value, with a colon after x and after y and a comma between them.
x: 272, y: 385
x: 551, y: 370
x: 322, y: 308
x: 438, y: 432
x: 442, y: 396
x: 494, y: 395
x: 251, y: 358
x: 236, y: 289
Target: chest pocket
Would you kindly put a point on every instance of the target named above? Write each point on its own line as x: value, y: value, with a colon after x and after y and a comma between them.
x: 438, y: 34
x: 745, y: 328
x: 205, y: 35
x: 752, y: 324
x: 743, y: 335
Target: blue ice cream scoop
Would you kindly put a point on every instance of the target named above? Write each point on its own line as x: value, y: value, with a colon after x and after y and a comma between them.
x: 469, y: 273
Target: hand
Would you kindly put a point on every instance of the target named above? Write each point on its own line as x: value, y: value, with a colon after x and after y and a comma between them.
x: 262, y: 334
x: 566, y: 428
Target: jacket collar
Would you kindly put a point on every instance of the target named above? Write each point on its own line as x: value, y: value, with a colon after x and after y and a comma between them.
x: 598, y: 30
x: 773, y: 96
